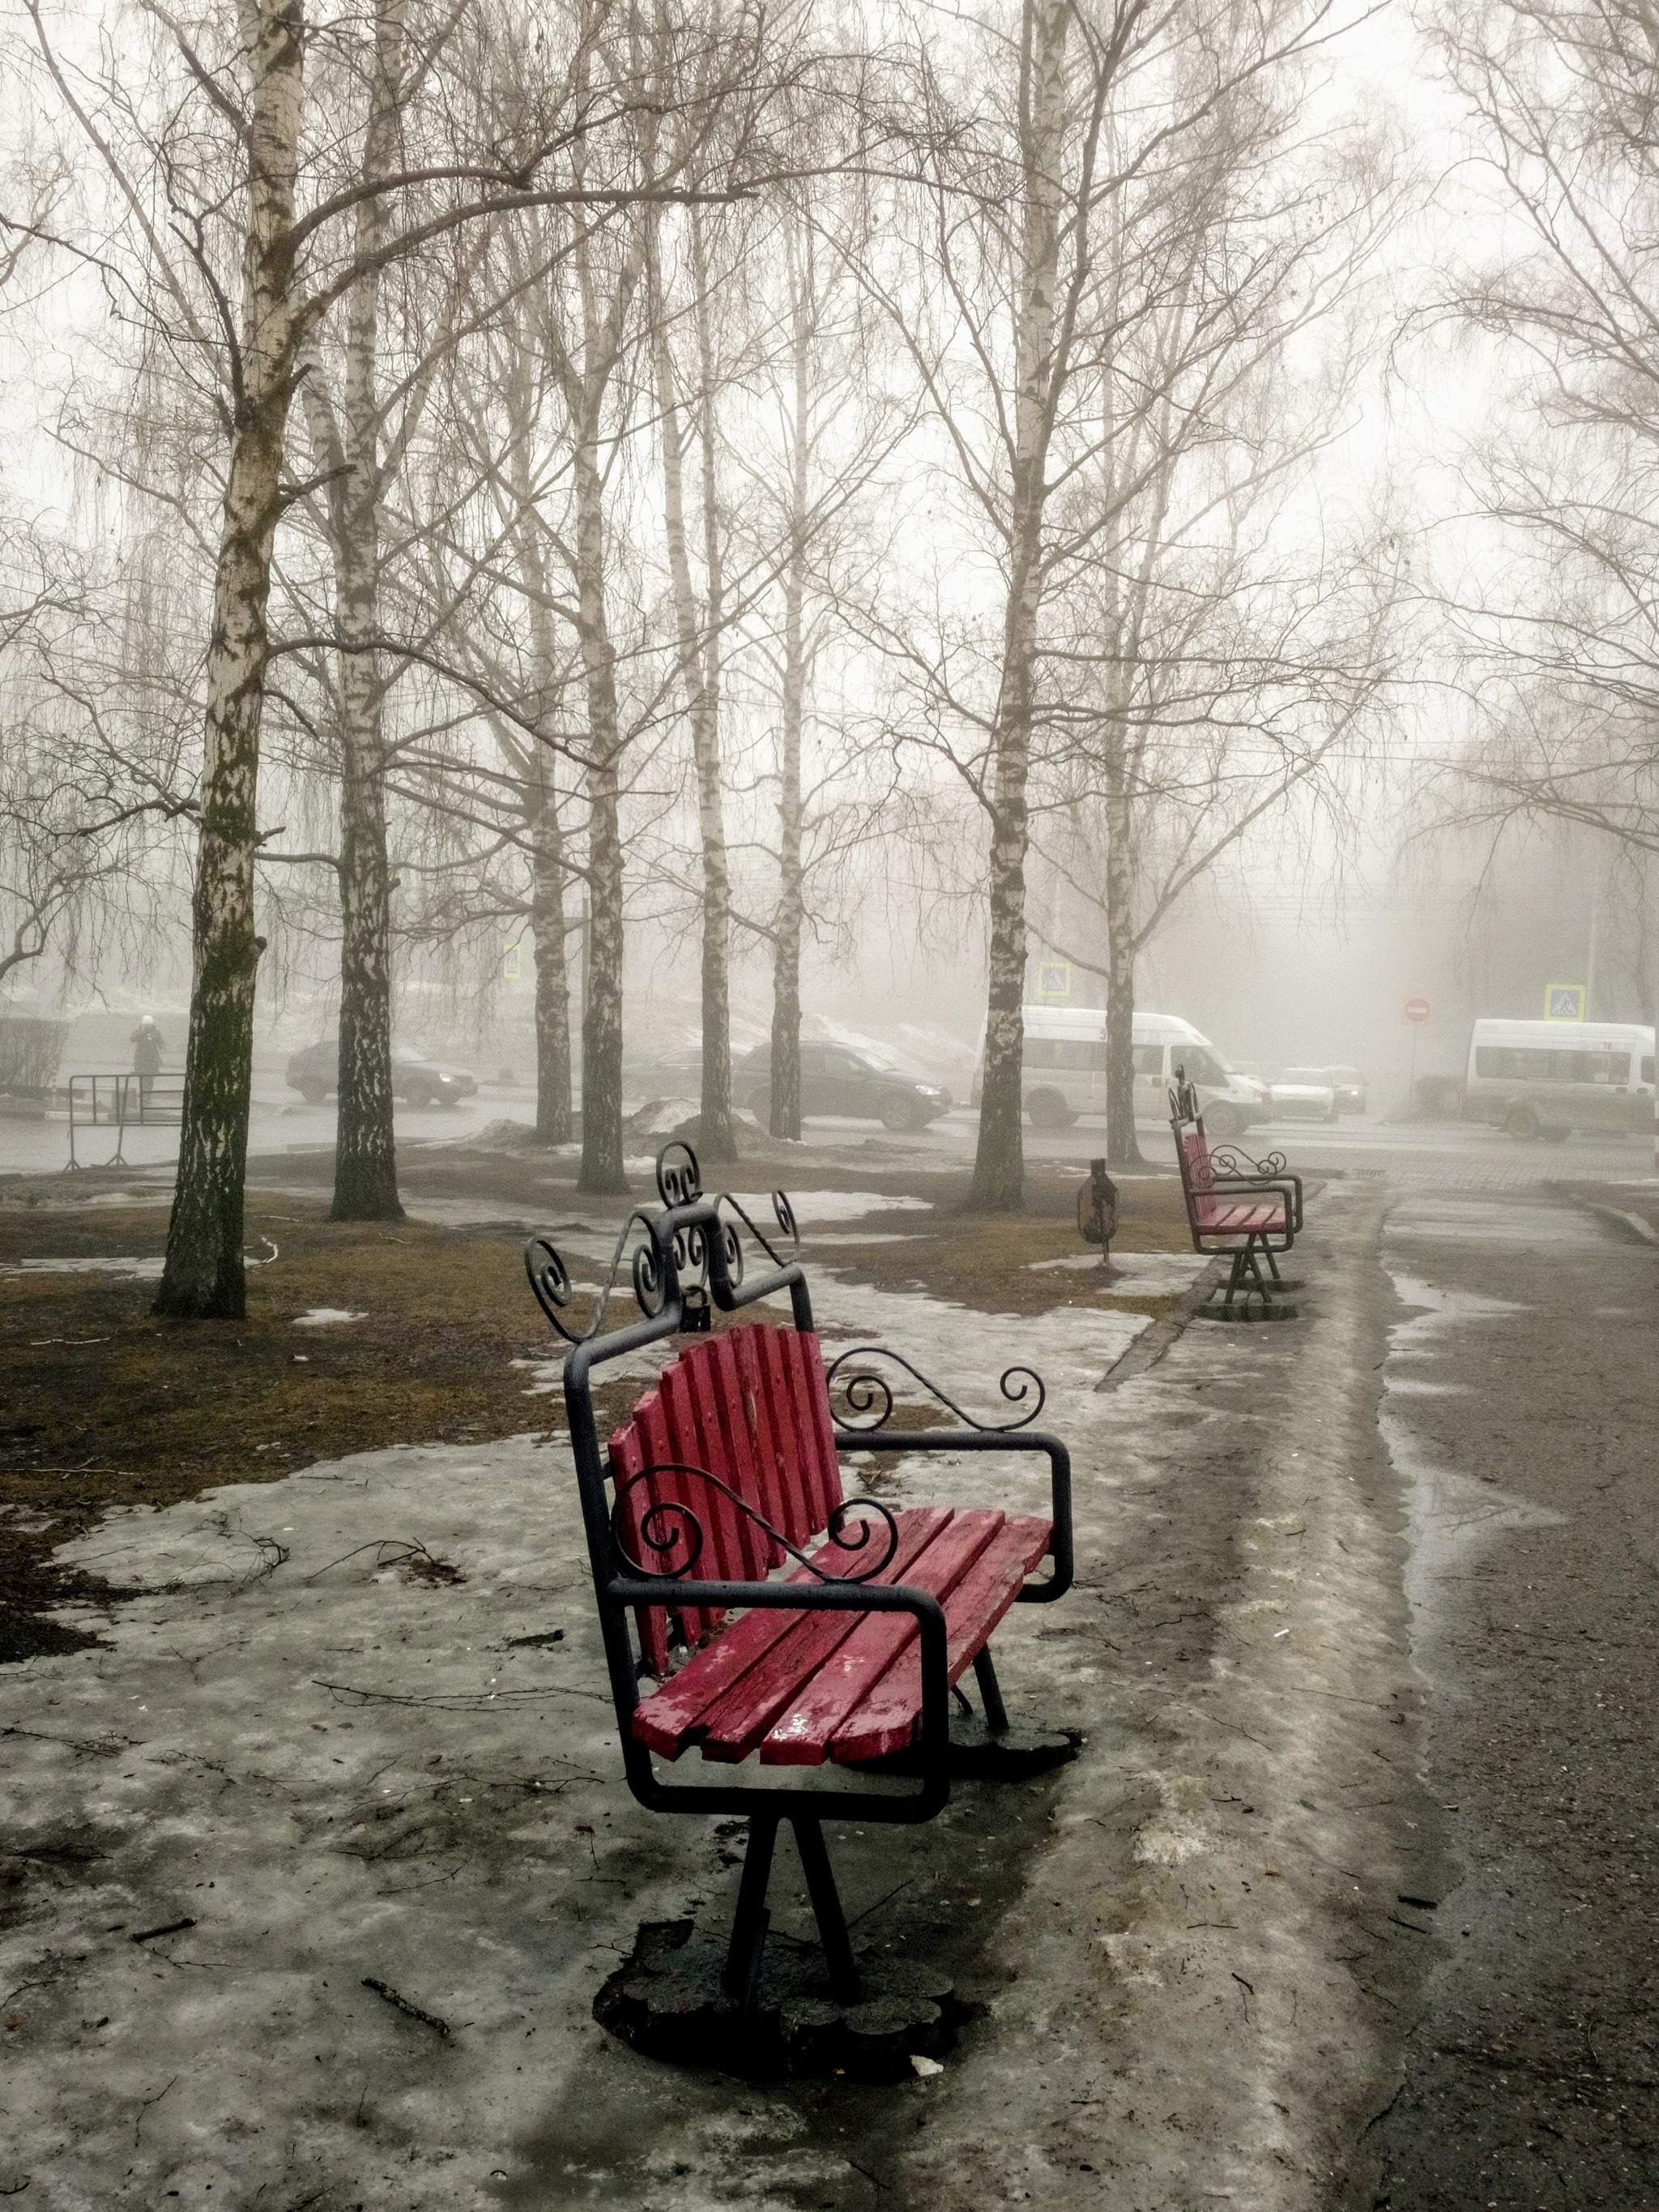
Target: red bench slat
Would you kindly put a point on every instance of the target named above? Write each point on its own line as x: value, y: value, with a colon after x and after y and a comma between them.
x: 779, y: 1478
x: 657, y: 1445
x: 801, y: 1736
x: 732, y: 1725
x: 725, y: 1553
x: 885, y: 1721
x: 667, y: 1720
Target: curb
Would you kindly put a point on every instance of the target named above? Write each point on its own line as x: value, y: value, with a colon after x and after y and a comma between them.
x: 1150, y: 1346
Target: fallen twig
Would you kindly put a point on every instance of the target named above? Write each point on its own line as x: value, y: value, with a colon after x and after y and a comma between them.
x: 173, y: 1927
x: 401, y: 2004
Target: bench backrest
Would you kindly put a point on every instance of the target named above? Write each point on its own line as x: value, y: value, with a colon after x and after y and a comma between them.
x: 749, y: 1406
x: 1192, y: 1149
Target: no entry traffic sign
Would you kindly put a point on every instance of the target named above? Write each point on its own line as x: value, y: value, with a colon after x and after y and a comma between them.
x: 1418, y: 1010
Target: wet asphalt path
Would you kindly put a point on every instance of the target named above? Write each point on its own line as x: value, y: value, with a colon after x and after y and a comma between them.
x: 1521, y: 1399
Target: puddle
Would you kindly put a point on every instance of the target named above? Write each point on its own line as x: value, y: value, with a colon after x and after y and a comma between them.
x: 1451, y: 1515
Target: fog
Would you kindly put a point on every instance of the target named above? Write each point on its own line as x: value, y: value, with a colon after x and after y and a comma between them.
x: 594, y: 555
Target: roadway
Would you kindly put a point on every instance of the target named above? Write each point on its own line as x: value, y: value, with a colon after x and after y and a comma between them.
x: 1446, y: 1154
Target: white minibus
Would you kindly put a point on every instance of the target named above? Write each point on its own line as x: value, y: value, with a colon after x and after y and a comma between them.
x: 1065, y: 1070
x: 1548, y: 1078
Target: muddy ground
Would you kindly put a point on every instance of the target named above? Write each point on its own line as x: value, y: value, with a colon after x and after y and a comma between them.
x: 343, y: 1731
x: 106, y: 1405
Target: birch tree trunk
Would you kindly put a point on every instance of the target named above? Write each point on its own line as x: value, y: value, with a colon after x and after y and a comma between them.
x: 554, y: 1119
x: 999, y: 1162
x: 602, y: 963
x: 365, y: 1155
x: 792, y: 891
x: 698, y: 642
x: 1123, y: 1148
x: 202, y: 1273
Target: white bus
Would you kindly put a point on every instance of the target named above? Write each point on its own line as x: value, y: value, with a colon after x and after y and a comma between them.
x: 1548, y: 1078
x: 1065, y: 1070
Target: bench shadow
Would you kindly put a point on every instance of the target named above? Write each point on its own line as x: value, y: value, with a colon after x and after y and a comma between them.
x: 926, y: 1906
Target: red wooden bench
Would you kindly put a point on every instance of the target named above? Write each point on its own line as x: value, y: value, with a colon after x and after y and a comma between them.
x: 728, y: 1469
x: 1251, y: 1211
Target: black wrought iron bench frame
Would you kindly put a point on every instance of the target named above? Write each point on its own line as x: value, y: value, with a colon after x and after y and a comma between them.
x: 1212, y: 1176
x: 687, y: 1260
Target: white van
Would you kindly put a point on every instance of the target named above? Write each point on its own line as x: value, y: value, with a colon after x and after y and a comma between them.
x: 1548, y: 1078
x: 1065, y: 1070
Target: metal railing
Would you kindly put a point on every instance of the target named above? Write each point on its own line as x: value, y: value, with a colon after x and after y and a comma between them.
x: 122, y: 1102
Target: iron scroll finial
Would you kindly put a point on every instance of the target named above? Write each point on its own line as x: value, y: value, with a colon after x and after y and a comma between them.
x: 707, y: 1246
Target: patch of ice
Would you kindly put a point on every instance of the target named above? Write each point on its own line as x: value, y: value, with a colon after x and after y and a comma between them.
x: 147, y: 1271
x: 829, y: 1205
x: 1168, y: 1846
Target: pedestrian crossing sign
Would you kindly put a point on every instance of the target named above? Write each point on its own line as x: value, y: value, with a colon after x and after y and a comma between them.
x: 510, y: 969
x: 1054, y: 979
x: 1564, y: 1002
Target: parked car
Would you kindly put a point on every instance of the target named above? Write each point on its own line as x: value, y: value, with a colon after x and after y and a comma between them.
x: 1302, y: 1094
x: 416, y: 1079
x: 1349, y: 1086
x: 835, y: 1078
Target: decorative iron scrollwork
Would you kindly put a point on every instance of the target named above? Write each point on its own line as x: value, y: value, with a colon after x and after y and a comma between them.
x: 863, y: 1393
x: 668, y: 1522
x: 1229, y: 1162
x: 679, y: 1177
x: 679, y: 1182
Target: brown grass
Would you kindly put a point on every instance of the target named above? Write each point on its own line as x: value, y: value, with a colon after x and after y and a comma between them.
x: 106, y: 1405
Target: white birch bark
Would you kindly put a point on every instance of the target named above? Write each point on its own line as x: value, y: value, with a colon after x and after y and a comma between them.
x: 202, y: 1273
x: 999, y: 1162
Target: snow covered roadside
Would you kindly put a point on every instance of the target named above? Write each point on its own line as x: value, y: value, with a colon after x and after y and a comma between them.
x: 355, y: 1731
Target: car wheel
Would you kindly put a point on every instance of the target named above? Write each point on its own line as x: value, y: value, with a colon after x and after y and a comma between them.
x: 1049, y: 1110
x: 760, y: 1105
x: 417, y: 1093
x: 1555, y: 1136
x: 312, y: 1093
x: 1522, y: 1122
x: 1331, y: 1118
x: 1223, y: 1124
x: 904, y: 1116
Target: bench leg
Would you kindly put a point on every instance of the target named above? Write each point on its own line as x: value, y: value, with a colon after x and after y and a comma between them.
x: 990, y: 1692
x: 826, y: 1906
x: 749, y: 1923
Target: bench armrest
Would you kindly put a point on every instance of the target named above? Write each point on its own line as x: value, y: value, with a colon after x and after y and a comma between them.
x: 980, y: 1440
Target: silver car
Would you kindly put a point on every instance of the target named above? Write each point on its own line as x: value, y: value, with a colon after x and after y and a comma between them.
x: 1302, y: 1094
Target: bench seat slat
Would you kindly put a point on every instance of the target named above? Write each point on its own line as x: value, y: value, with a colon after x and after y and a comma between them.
x: 667, y: 1720
x: 1237, y: 1217
x: 885, y: 1721
x: 730, y: 1727
x: 801, y: 1736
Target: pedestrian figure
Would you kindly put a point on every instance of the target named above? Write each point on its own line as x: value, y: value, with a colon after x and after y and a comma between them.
x: 148, y: 1046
